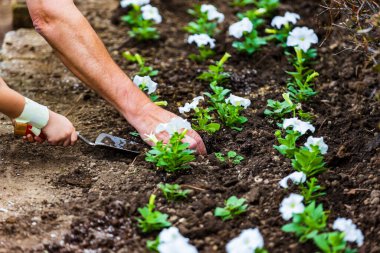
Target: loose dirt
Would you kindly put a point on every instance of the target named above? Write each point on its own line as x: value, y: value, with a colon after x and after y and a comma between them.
x: 69, y: 200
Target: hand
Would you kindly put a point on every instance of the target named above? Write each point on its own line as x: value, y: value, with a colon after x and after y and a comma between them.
x: 59, y: 131
x: 150, y: 115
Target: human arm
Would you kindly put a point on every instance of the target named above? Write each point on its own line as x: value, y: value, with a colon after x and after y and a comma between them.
x: 81, y: 50
x: 59, y: 130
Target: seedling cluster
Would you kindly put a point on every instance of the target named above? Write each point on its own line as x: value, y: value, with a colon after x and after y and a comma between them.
x: 218, y: 109
x: 141, y: 18
x: 308, y: 223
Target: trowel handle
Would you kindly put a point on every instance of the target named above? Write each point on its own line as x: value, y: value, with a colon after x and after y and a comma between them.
x: 24, y: 129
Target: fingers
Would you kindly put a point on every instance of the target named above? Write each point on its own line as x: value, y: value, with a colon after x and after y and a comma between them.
x: 196, y: 142
x: 28, y: 138
x: 74, y: 138
x: 39, y: 139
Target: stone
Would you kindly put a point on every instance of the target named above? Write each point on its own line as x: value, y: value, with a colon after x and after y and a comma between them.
x: 25, y: 44
x: 253, y: 195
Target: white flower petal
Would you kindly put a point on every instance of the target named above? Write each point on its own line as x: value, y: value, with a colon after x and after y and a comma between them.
x: 291, y: 205
x: 298, y: 125
x: 201, y: 40
x: 238, y: 101
x: 351, y: 232
x: 151, y: 13
x: 237, y: 29
x: 295, y: 177
x: 311, y: 141
x: 248, y: 241
x: 302, y: 37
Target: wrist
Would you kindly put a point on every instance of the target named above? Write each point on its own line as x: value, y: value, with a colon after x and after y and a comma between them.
x: 34, y: 114
x: 133, y: 103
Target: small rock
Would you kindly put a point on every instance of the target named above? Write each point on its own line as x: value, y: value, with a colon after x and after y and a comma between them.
x: 11, y: 220
x: 375, y: 201
x: 253, y: 195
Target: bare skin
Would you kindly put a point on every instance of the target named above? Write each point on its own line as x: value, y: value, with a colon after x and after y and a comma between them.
x: 81, y: 50
x: 59, y: 130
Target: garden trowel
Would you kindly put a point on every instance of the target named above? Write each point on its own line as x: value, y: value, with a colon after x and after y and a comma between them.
x: 113, y: 142
x: 103, y: 140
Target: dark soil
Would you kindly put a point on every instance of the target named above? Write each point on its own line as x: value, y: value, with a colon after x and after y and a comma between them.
x: 110, y: 187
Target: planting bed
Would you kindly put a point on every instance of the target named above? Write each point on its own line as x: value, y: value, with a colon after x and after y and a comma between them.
x: 68, y: 200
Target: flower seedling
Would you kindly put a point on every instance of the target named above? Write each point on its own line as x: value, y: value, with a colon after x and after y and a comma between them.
x: 308, y: 161
x: 311, y: 191
x: 172, y: 156
x: 301, y: 85
x: 207, y: 19
x: 144, y: 70
x: 332, y: 242
x: 248, y: 31
x: 205, y: 45
x: 309, y: 223
x: 287, y: 145
x: 229, y: 111
x: 249, y: 241
x: 282, y: 26
x: 173, y: 192
x: 216, y: 73
x: 152, y: 220
x: 233, y: 207
x: 232, y: 157
x: 142, y: 19
x: 203, y: 118
x: 203, y: 121
x: 278, y: 110
x: 350, y: 230
x: 146, y: 84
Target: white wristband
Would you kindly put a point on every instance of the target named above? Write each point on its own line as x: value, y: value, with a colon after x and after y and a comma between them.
x: 34, y: 114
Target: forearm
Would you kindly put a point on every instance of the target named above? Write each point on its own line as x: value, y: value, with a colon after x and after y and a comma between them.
x: 11, y: 102
x: 81, y: 50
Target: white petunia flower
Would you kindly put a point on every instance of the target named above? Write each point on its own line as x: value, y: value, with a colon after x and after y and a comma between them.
x: 298, y: 125
x: 238, y: 101
x: 248, y: 241
x: 171, y: 240
x: 126, y: 3
x: 291, y: 205
x: 351, y: 232
x: 280, y: 21
x: 212, y: 12
x: 295, y: 177
x: 201, y: 40
x: 188, y: 106
x: 173, y: 126
x: 311, y: 141
x: 145, y: 81
x: 170, y: 235
x: 292, y: 17
x: 237, y: 29
x: 302, y: 37
x: 151, y: 13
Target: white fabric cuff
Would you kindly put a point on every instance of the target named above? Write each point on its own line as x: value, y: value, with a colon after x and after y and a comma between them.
x: 35, y: 114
